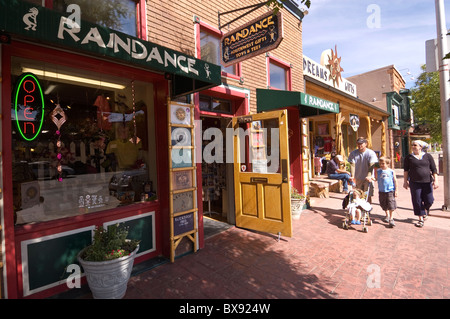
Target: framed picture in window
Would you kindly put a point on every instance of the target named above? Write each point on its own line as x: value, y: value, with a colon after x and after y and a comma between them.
x: 181, y: 136
x: 323, y: 128
x: 183, y: 201
x: 181, y: 157
x: 180, y: 114
x: 181, y: 179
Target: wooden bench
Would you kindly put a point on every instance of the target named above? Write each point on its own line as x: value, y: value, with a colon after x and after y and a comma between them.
x: 320, y: 187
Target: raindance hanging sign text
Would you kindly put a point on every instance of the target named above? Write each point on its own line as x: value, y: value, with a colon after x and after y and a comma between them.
x: 257, y: 36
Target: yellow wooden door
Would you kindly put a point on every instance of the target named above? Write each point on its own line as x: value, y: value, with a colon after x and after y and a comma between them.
x: 261, y: 172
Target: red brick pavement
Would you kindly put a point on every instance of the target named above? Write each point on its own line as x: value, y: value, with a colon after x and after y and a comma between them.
x: 321, y: 260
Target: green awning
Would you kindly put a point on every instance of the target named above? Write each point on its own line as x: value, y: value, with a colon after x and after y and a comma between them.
x: 308, y: 105
x: 24, y: 19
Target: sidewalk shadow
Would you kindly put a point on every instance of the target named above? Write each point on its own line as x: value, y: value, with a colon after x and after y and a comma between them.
x: 258, y: 265
x: 236, y: 264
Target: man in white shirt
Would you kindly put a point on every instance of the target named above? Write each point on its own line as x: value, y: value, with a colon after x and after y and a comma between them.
x: 362, y: 162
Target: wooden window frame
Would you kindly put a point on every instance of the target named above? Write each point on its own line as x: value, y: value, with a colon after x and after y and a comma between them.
x: 286, y: 66
x: 202, y: 26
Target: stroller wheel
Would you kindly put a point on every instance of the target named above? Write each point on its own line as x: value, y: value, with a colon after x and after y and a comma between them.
x: 365, y: 229
x: 344, y: 225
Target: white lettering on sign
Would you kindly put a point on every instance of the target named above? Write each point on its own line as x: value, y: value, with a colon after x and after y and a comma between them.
x: 136, y: 49
x: 320, y: 103
x: 75, y: 15
x: 322, y: 73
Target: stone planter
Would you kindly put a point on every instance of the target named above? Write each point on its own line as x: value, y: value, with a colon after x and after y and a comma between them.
x: 108, y: 279
x: 297, y: 207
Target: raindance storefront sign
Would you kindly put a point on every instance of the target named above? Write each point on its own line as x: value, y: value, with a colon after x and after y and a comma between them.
x: 257, y: 36
x: 318, y: 103
x: 36, y: 22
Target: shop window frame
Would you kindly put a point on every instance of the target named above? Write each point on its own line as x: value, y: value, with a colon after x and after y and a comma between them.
x: 216, y: 112
x: 286, y: 66
x: 68, y: 59
x: 204, y: 27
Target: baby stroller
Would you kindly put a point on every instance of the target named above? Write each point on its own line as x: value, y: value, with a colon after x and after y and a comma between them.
x: 354, y: 200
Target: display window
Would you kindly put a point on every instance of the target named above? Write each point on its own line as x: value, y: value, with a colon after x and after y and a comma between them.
x: 82, y: 141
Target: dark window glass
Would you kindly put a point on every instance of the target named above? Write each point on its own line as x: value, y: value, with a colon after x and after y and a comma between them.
x: 119, y: 15
x: 211, y: 104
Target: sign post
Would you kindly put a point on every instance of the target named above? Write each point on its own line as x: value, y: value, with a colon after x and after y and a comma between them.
x: 445, y: 95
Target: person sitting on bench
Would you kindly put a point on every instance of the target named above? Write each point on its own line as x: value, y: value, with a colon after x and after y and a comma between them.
x: 335, y: 172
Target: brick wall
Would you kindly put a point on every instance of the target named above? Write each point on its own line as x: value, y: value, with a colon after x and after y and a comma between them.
x: 171, y: 24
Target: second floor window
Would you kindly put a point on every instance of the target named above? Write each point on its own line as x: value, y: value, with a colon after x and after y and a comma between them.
x: 279, y: 74
x: 278, y: 77
x: 118, y: 15
x: 210, y: 51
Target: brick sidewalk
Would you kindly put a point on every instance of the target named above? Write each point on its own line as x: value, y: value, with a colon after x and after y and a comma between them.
x: 321, y: 260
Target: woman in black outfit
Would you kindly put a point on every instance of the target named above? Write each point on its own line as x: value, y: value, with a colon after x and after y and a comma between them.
x: 420, y: 175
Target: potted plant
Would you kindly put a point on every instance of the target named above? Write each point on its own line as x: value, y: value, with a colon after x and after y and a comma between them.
x: 297, y: 203
x: 108, y: 262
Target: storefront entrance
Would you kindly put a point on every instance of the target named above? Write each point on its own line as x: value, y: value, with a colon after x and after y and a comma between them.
x: 245, y: 171
x: 217, y: 175
x: 261, y: 172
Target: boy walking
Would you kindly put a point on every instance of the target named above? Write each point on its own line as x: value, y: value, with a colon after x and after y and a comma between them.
x: 387, y: 189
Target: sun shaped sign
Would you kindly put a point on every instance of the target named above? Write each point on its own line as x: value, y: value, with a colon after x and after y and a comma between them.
x: 28, y: 106
x: 334, y: 65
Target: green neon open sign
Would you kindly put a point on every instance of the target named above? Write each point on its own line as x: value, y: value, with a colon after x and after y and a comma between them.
x: 29, y: 106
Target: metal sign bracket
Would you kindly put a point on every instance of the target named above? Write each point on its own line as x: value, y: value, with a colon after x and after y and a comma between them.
x: 252, y: 8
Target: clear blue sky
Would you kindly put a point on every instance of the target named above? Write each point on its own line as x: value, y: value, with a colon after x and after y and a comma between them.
x: 398, y: 39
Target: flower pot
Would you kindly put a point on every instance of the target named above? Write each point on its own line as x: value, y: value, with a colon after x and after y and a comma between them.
x: 296, y: 207
x: 108, y: 279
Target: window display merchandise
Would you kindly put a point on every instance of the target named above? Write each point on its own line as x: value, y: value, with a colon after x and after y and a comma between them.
x: 80, y: 141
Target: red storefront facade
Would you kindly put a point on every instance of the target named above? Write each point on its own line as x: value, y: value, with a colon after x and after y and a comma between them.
x: 98, y: 152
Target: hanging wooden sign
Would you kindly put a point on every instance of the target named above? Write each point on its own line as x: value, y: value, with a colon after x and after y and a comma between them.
x: 253, y: 38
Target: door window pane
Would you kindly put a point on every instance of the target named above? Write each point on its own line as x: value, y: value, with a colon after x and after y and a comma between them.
x: 259, y: 149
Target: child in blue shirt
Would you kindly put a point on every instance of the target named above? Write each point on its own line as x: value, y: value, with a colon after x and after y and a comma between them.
x: 387, y: 189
